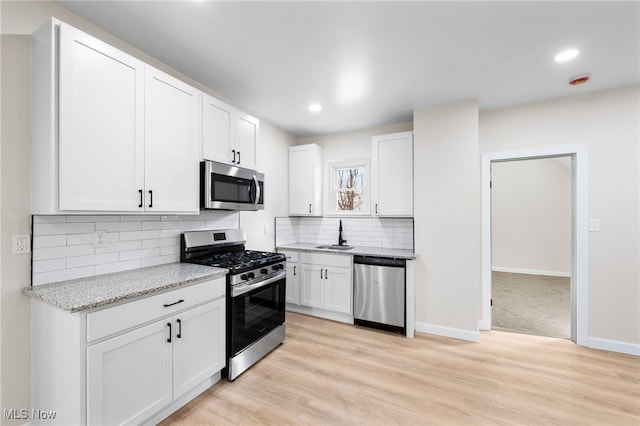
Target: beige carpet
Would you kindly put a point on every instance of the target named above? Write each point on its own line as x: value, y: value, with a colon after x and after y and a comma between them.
x: 531, y: 304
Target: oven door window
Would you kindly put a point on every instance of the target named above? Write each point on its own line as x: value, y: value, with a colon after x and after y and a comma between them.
x: 255, y: 314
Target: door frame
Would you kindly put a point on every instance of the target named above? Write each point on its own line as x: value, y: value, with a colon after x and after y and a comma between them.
x: 579, y: 231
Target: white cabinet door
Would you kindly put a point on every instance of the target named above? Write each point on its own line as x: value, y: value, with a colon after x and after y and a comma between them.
x: 305, y: 180
x: 338, y: 293
x: 392, y: 172
x: 218, y: 130
x: 198, y: 345
x: 293, y: 281
x: 228, y: 136
x: 129, y: 376
x: 247, y: 129
x: 101, y: 105
x: 312, y: 286
x: 172, y: 138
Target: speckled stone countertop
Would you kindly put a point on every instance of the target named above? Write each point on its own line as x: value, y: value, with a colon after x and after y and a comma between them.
x: 356, y: 250
x: 93, y: 292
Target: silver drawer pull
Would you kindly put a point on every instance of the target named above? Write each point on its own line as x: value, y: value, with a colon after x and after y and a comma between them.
x: 166, y: 305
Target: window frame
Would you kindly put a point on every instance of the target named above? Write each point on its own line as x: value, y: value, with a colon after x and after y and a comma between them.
x: 331, y: 207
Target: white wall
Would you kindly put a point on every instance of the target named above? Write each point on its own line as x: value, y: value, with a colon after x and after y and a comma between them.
x: 531, y: 216
x: 16, y: 206
x: 609, y: 123
x: 273, y: 151
x: 447, y: 219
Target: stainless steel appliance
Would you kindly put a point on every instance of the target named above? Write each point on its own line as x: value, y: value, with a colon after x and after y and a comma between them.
x: 256, y: 285
x: 379, y: 292
x: 230, y: 188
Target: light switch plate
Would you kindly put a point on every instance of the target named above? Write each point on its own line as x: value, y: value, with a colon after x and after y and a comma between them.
x: 594, y: 225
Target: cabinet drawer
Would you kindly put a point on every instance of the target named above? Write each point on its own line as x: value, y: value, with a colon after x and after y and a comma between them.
x: 112, y: 320
x: 327, y: 259
x: 292, y: 256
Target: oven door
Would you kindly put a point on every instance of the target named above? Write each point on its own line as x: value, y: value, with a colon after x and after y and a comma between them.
x: 255, y: 310
x: 229, y: 187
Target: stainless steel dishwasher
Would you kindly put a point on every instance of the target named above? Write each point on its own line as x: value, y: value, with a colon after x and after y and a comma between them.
x: 379, y: 292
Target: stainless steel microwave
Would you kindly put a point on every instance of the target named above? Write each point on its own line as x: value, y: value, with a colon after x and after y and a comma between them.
x: 230, y: 188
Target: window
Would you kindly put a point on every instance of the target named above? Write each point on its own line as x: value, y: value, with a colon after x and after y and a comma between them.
x: 349, y: 188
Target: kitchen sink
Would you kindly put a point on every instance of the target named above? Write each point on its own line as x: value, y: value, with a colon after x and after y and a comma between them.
x: 334, y: 247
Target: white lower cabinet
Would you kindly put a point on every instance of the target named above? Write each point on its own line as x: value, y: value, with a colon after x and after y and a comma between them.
x: 326, y: 286
x: 132, y: 363
x: 293, y: 277
x: 129, y: 376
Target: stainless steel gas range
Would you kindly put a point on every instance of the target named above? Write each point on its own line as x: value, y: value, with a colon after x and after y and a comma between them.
x: 256, y: 285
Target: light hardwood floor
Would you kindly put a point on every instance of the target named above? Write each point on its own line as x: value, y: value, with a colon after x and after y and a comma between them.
x: 328, y: 373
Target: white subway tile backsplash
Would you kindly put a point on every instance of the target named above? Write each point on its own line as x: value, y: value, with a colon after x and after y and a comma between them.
x: 63, y: 275
x: 62, y: 252
x: 139, y: 235
x: 365, y: 232
x: 118, y: 226
x: 109, y: 268
x: 63, y: 228
x: 93, y: 259
x: 63, y: 245
x: 42, y: 241
x: 119, y: 246
x: 93, y: 219
x: 159, y: 260
x: 77, y: 239
x: 48, y: 265
x: 139, y: 254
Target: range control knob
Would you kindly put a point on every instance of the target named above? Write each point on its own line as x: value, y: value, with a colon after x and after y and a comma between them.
x: 264, y: 271
x: 251, y: 275
x: 244, y: 277
x: 277, y: 267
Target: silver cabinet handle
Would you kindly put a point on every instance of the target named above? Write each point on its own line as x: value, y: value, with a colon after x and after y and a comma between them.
x: 309, y: 208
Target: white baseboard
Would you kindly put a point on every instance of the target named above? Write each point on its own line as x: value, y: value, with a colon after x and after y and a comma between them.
x: 455, y: 333
x: 531, y: 271
x: 614, y: 346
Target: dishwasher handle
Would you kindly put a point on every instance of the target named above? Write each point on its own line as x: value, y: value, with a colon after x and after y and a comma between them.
x: 380, y: 261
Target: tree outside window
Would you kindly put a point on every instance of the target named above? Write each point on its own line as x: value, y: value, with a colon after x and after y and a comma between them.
x: 349, y: 194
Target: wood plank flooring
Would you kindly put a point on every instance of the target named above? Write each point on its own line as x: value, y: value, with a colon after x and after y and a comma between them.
x: 327, y: 373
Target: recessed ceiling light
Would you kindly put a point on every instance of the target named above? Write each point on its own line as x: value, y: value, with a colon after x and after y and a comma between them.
x: 315, y: 107
x: 566, y: 55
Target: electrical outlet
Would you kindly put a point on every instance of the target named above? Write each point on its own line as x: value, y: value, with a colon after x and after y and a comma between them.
x: 594, y: 225
x: 99, y: 239
x: 21, y: 244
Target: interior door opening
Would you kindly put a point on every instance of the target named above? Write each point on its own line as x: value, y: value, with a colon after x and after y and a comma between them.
x: 579, y: 282
x: 531, y: 214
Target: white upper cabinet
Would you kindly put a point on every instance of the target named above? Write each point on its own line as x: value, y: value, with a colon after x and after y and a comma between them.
x: 305, y: 180
x: 101, y: 105
x: 171, y: 148
x: 247, y: 128
x: 392, y: 175
x: 109, y: 133
x: 228, y: 136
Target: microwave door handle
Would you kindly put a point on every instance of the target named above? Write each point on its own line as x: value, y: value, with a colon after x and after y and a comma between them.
x: 257, y: 184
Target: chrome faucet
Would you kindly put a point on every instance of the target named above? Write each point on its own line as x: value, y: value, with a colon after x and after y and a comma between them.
x: 341, y: 240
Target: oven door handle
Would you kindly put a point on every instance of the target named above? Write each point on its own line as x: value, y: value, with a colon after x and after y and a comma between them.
x: 245, y: 288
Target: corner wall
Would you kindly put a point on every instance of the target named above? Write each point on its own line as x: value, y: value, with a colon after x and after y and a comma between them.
x: 447, y: 204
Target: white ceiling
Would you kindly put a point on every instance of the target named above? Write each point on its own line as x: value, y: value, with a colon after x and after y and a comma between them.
x: 372, y: 63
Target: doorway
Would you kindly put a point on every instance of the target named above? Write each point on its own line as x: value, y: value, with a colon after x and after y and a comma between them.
x: 579, y: 232
x: 531, y: 246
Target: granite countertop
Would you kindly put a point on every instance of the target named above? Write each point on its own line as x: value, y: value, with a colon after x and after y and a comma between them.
x: 356, y: 250
x: 93, y: 292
